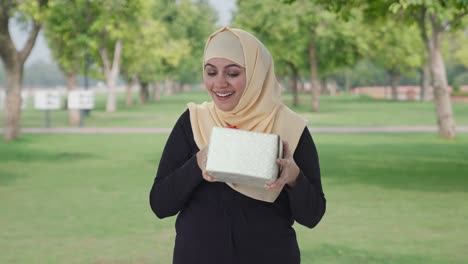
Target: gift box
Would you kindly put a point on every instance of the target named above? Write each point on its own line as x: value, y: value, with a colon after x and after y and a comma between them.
x: 243, y: 157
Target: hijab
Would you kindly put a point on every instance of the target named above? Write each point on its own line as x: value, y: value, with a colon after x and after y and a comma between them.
x: 259, y: 109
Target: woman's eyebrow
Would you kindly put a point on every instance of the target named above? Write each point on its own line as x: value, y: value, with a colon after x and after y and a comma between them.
x: 232, y: 65
x: 227, y: 66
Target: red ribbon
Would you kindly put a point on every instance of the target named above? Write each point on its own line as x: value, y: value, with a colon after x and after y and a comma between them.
x: 235, y: 127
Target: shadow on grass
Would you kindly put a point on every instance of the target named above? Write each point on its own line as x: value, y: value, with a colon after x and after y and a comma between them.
x: 11, y: 155
x: 7, y: 177
x: 420, y: 167
x: 22, y: 151
x: 34, y: 155
x: 335, y: 254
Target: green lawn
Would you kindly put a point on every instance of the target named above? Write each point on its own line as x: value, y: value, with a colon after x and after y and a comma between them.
x: 392, y: 198
x: 352, y: 110
x: 348, y: 110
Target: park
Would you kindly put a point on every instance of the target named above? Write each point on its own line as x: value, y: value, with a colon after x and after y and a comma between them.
x: 74, y: 181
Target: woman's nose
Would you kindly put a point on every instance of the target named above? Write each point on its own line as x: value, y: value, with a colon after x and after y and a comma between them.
x: 220, y: 81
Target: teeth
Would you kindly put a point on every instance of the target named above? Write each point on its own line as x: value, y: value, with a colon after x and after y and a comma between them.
x: 224, y: 94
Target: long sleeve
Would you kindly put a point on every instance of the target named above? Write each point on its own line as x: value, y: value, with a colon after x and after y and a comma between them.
x: 178, y: 173
x: 306, y: 199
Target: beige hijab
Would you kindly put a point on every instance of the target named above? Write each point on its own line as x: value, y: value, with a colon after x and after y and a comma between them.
x: 259, y: 109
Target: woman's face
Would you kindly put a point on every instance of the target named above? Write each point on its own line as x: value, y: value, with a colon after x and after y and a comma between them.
x: 225, y: 81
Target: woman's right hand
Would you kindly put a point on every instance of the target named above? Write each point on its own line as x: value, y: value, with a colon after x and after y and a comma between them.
x: 202, y: 156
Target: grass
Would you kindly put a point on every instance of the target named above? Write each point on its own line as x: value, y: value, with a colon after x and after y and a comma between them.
x: 353, y: 110
x: 348, y: 110
x: 391, y: 198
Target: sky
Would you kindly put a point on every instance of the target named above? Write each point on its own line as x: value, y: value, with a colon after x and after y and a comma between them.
x: 42, y: 52
x: 224, y: 8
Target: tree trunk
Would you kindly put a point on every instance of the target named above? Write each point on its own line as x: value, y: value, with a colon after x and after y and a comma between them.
x: 177, y: 87
x: 315, y: 86
x: 168, y: 86
x: 131, y: 81
x: 129, y: 94
x: 294, y: 88
x: 300, y: 85
x: 144, y: 93
x: 156, y: 92
x: 425, y: 82
x: 12, y: 114
x: 295, y: 77
x: 445, y: 120
x: 425, y: 69
x: 394, y: 81
x: 13, y: 60
x: 112, y: 73
x: 443, y: 104
x: 442, y: 100
x: 72, y: 84
x: 347, y: 84
x: 323, y: 87
x: 111, y: 104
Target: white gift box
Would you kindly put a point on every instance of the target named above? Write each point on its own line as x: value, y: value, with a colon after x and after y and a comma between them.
x: 243, y: 157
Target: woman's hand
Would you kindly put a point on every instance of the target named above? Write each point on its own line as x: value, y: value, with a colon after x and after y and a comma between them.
x: 288, y: 170
x: 201, y: 160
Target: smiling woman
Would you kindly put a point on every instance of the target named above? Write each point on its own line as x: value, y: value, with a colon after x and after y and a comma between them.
x: 225, y: 81
x: 224, y: 72
x: 221, y: 222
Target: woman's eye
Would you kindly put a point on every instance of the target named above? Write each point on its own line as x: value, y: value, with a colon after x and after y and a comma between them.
x: 233, y: 74
x: 211, y: 74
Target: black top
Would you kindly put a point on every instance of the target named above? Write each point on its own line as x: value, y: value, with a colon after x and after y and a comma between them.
x: 216, y: 224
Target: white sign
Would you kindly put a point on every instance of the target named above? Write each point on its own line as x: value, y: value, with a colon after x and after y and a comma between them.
x: 2, y: 100
x: 81, y: 99
x: 47, y: 100
x: 24, y: 100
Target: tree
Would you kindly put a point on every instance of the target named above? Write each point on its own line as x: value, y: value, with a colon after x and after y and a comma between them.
x: 189, y: 23
x: 434, y: 18
x: 302, y: 37
x: 457, y: 46
x: 110, y: 23
x: 395, y: 49
x: 276, y: 25
x: 166, y: 44
x: 66, y: 30
x: 42, y: 74
x: 340, y: 46
x: 192, y: 21
x: 149, y: 53
x: 31, y: 12
x: 310, y: 20
x: 458, y: 55
x: 145, y: 48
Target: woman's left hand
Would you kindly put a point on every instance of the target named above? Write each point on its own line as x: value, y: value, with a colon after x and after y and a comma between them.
x: 288, y: 170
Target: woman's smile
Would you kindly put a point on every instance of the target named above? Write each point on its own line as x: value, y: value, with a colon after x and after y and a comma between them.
x: 224, y: 95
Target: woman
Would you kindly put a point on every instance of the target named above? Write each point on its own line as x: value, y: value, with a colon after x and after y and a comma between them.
x: 232, y: 223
